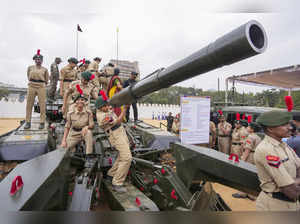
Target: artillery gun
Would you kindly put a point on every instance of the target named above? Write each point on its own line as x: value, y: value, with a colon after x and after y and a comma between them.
x: 164, y: 175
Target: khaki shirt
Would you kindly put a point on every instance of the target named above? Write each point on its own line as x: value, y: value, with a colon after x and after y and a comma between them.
x: 109, y: 71
x: 33, y: 72
x: 76, y: 119
x: 54, y: 70
x: 87, y: 90
x: 251, y: 142
x: 68, y: 72
x: 276, y: 164
x: 93, y: 67
x: 106, y: 120
x: 226, y: 126
x: 104, y: 81
x: 239, y: 135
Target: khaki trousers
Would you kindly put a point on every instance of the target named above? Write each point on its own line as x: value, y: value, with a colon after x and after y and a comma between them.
x: 65, y: 87
x: 265, y: 202
x: 31, y: 93
x: 119, y: 170
x: 224, y: 144
x: 74, y: 137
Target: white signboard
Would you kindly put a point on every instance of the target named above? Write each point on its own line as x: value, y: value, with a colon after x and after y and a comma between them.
x: 195, y: 114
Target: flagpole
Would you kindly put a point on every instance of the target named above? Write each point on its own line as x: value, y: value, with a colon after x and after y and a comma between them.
x: 76, y: 43
x: 117, y: 45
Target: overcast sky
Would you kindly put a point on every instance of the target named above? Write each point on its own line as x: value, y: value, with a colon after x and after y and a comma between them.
x: 154, y: 33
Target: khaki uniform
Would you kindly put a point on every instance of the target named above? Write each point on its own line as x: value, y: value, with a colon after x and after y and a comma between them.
x: 224, y: 140
x: 67, y: 75
x: 277, y: 166
x: 238, y: 137
x: 119, y: 140
x: 212, y: 133
x: 38, y: 78
x: 75, y: 121
x: 93, y: 68
x: 87, y: 90
x: 176, y: 126
x: 251, y: 143
x: 103, y: 82
x: 54, y: 76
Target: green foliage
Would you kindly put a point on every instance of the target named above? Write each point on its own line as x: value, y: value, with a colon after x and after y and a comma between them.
x: 268, y: 98
x: 3, y: 93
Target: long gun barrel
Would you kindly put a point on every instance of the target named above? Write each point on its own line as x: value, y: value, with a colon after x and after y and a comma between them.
x: 247, y: 40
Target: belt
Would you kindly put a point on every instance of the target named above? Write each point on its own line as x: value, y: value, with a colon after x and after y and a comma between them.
x: 223, y: 135
x: 114, y: 127
x: 68, y: 80
x: 236, y: 143
x: 77, y: 129
x: 280, y: 196
x: 36, y: 80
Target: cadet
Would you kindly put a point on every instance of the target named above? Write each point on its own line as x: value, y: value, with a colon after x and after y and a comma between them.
x: 111, y: 124
x: 170, y: 120
x: 224, y: 129
x: 130, y: 82
x: 249, y: 146
x: 38, y: 77
x: 277, y: 165
x: 54, y: 76
x: 87, y: 89
x: 68, y: 74
x: 176, y: 124
x: 212, y: 134
x: 239, y: 135
x: 94, y: 68
x: 79, y: 125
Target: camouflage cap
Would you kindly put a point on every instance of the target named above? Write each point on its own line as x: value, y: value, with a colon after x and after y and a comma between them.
x: 73, y: 60
x: 274, y: 118
x: 100, y: 102
x: 86, y: 75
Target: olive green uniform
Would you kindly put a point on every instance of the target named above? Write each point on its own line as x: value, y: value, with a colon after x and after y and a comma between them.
x: 76, y: 121
x: 54, y: 76
x: 238, y: 137
x: 277, y: 166
x: 87, y: 90
x: 38, y: 78
x: 224, y: 139
x: 67, y: 75
x: 119, y: 140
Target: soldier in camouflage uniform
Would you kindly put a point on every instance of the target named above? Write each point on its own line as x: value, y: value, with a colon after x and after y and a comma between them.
x: 54, y: 76
x: 111, y: 123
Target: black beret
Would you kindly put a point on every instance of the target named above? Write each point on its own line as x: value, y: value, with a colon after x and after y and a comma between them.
x: 116, y: 71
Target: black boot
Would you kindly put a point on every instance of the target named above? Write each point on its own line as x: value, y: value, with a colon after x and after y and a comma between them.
x: 27, y: 125
x: 42, y: 125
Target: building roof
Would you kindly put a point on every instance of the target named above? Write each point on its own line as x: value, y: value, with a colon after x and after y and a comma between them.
x: 284, y: 78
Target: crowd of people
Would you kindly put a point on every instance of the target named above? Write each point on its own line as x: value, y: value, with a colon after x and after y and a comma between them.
x: 277, y: 162
x: 79, y: 82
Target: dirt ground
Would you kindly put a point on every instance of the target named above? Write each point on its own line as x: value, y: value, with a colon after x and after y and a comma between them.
x: 225, y: 192
x: 7, y: 125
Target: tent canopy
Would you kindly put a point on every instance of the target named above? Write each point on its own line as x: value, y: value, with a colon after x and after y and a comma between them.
x: 284, y: 78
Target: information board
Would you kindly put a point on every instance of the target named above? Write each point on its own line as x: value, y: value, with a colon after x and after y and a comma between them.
x: 195, y: 114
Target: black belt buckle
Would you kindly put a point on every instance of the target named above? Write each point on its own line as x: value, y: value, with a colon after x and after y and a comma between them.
x: 77, y: 129
x: 36, y: 80
x: 68, y: 80
x: 236, y: 143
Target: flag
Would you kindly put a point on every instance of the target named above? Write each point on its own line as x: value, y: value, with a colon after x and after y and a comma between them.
x: 78, y: 28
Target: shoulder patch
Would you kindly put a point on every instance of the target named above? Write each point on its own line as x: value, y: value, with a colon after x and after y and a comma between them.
x: 272, y: 158
x: 248, y: 141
